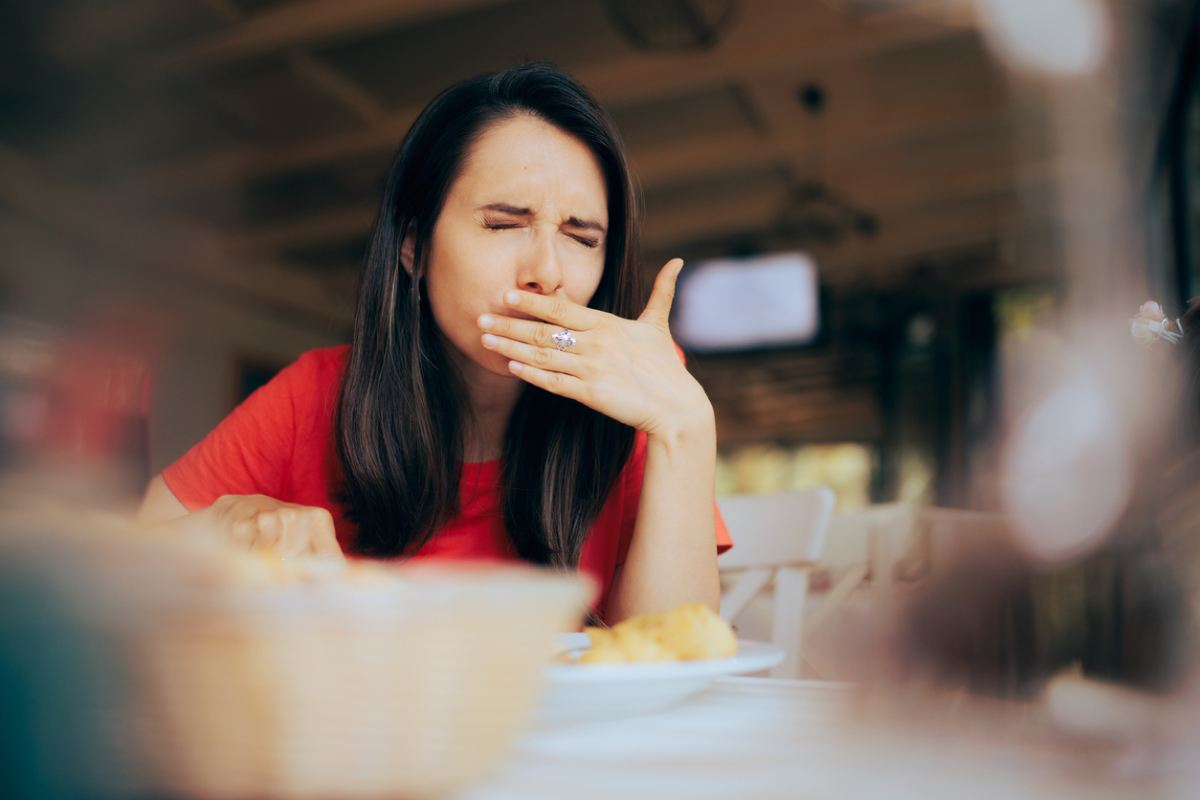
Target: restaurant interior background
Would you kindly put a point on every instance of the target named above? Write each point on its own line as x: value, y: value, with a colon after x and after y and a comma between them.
x: 193, y: 181
x: 987, y: 190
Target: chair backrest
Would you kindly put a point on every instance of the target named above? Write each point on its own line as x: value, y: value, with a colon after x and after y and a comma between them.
x: 870, y: 540
x: 777, y: 537
x: 772, y: 530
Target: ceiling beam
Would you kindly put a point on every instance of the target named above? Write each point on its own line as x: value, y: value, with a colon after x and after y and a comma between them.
x: 333, y: 83
x: 781, y: 35
x: 300, y: 23
x: 319, y: 74
x: 674, y: 161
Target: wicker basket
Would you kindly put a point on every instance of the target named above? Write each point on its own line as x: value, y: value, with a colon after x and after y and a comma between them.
x: 408, y: 687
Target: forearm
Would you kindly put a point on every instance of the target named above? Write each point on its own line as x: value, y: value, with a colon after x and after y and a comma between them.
x: 159, y: 504
x: 161, y: 510
x: 672, y: 558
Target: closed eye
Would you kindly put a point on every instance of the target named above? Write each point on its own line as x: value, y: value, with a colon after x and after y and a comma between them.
x: 504, y: 226
x: 585, y: 241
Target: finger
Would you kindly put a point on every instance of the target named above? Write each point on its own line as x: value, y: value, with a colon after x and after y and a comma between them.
x: 269, y: 529
x: 658, y: 307
x: 292, y: 542
x: 552, y: 360
x: 554, y: 382
x: 553, y: 308
x: 326, y: 546
x: 243, y: 532
x: 321, y: 534
x: 523, y: 330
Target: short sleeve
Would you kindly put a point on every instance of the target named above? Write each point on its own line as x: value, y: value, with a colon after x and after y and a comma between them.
x: 724, y: 540
x: 250, y: 451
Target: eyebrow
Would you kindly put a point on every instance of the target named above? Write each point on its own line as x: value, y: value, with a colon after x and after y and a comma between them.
x: 517, y: 211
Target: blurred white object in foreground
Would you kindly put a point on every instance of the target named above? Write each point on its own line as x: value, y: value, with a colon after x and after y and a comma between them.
x: 1058, y: 37
x: 1067, y: 474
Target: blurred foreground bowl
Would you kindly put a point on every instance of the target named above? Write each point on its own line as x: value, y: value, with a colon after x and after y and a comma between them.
x: 413, y: 689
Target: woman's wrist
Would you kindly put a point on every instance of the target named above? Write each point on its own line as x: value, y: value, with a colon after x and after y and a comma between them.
x: 693, y: 429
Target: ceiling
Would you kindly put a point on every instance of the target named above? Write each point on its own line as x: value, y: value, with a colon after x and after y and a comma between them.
x: 877, y: 139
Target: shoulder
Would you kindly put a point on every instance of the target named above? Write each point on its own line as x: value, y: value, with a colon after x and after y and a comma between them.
x: 314, y: 371
x: 309, y: 384
x: 321, y: 364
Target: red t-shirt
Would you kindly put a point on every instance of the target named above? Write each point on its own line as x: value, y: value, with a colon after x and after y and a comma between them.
x: 280, y: 443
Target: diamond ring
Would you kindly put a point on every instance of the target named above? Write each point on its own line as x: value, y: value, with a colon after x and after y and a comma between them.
x: 564, y: 339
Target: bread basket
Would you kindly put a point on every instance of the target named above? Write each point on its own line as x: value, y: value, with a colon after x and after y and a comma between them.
x: 406, y: 689
x: 409, y: 683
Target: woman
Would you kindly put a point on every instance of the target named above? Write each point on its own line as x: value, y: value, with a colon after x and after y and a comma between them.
x: 502, y: 396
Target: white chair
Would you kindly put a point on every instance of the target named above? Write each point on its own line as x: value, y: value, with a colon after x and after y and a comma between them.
x: 777, y: 538
x: 865, y: 546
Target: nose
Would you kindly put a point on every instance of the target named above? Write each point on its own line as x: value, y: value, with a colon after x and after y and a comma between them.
x: 540, y: 270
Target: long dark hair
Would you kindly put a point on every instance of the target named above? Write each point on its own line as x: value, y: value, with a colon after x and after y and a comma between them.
x: 402, y: 408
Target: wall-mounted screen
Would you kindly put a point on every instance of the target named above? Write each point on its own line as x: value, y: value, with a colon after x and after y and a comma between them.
x: 747, y: 303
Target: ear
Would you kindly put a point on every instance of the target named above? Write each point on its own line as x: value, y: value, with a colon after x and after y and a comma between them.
x: 407, y: 251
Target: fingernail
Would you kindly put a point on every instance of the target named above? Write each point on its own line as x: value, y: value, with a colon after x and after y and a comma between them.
x: 515, y: 366
x: 486, y: 321
x: 489, y: 340
x: 512, y: 298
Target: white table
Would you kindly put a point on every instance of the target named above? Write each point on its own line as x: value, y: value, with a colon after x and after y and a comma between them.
x: 743, y: 737
x: 768, y: 738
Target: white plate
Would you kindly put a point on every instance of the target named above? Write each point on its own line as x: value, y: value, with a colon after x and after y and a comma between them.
x: 599, y: 691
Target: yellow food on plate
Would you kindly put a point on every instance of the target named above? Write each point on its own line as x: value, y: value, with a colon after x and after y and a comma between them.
x: 691, y: 632
x: 624, y: 646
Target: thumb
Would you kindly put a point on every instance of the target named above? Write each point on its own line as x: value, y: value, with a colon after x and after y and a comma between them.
x: 658, y: 307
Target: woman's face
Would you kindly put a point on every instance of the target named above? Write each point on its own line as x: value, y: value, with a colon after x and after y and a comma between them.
x: 529, y: 210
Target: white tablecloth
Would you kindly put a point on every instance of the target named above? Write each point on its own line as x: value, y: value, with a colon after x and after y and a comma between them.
x: 742, y: 737
x: 766, y: 738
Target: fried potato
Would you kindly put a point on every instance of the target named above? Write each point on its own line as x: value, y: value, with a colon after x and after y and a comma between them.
x: 691, y: 632
x: 623, y: 646
x: 688, y: 633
